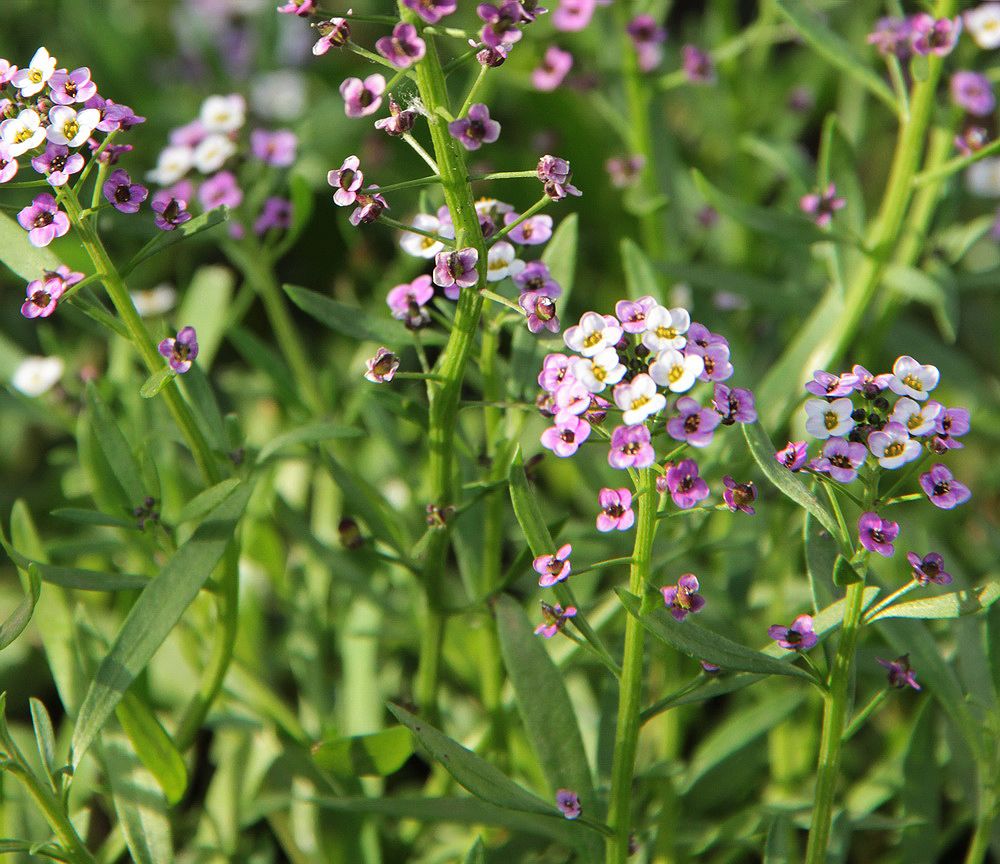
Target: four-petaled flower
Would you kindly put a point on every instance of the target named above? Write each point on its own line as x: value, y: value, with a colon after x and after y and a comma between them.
x: 829, y: 419
x: 822, y: 206
x: 631, y: 448
x: 555, y: 618
x: 841, y: 459
x: 476, y: 128
x: 683, y: 598
x: 694, y: 424
x: 685, y: 485
x: 799, y: 637
x: 930, y: 568
x: 381, y: 368
x: 734, y: 404
x: 901, y: 674
x: 593, y: 334
x: 616, y: 510
x: 793, y: 455
x: 893, y: 446
x: 408, y: 302
x: 347, y: 180
x: 540, y: 311
x: 565, y: 438
x: 739, y: 496
x: 555, y: 175
x: 876, y: 534
x: 638, y: 399
x: 943, y: 490
x: 404, y: 47
x: 431, y: 11
x: 568, y: 803
x: 43, y: 220
x: 553, y: 568
x: 124, y: 195
x: 180, y: 351
x: 362, y: 98
x: 675, y: 370
x: 454, y: 270
x: 910, y: 378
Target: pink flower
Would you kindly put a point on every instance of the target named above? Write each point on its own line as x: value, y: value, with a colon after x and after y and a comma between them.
x: 362, y: 98
x: 616, y: 510
x: 553, y: 70
x: 553, y: 568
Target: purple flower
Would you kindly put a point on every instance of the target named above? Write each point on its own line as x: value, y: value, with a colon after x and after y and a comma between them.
x: 683, y: 598
x: 535, y: 277
x: 221, y: 189
x: 822, y: 206
x: 685, y: 486
x: 57, y: 163
x: 404, y: 47
x: 694, y: 424
x: 533, y: 231
x: 715, y: 360
x: 565, y: 438
x: 735, y: 405
x: 555, y: 175
x: 555, y: 370
x: 362, y: 98
x: 302, y: 8
x: 697, y: 65
x: 399, y: 122
x: 170, y: 212
x: 42, y: 297
x: 793, y: 455
x: 950, y: 424
x: 574, y: 15
x: 491, y: 58
x: 431, y: 11
x: 381, y: 368
x: 347, y: 181
x: 124, y: 195
x: 568, y: 803
x: 555, y: 618
x: 647, y: 36
x: 335, y: 33
x: 973, y: 93
x: 43, y: 220
x: 408, y: 301
x: 867, y: 384
x: 276, y: 214
x: 799, y: 637
x: 876, y: 534
x: 275, y: 148
x: 501, y: 23
x: 8, y: 164
x: 553, y: 70
x: 943, y: 489
x: 371, y: 205
x: 892, y: 36
x: 182, y: 351
x: 632, y: 314
x: 624, y: 170
x: 113, y: 115
x: 455, y: 270
x: 825, y: 384
x: 553, y: 568
x: 476, y: 128
x: 841, y: 459
x: 930, y: 568
x: 739, y: 496
x: 540, y: 310
x: 934, y: 36
x: 631, y: 448
x: 900, y: 672
x: 65, y: 88
x: 616, y: 510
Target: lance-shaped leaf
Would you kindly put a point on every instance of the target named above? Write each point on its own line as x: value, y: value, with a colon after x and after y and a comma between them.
x: 376, y: 755
x: 154, y: 746
x: 954, y: 604
x: 115, y: 447
x: 13, y: 626
x: 155, y: 614
x: 19, y: 255
x: 166, y: 239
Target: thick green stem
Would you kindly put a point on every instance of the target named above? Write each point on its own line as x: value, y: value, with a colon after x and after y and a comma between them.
x: 630, y: 691
x: 834, y: 721
x: 449, y: 159
x: 985, y: 823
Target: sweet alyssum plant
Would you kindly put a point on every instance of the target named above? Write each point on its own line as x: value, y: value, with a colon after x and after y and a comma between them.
x: 631, y: 404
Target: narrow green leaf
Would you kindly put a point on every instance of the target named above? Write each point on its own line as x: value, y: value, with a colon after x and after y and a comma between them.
x: 835, y: 50
x: 821, y: 557
x: 154, y: 615
x: 154, y: 747
x: 545, y: 707
x: 702, y: 644
x: 778, y: 848
x: 200, y: 394
x: 258, y: 354
x: 477, y: 854
x: 156, y: 382
x: 45, y: 736
x: 13, y: 626
x: 762, y: 449
x: 354, y: 322
x: 166, y: 239
x: 472, y: 772
x: 19, y: 255
x: 206, y: 301
x: 954, y: 604
x: 115, y: 447
x: 376, y: 755
x: 92, y: 517
x: 640, y: 275
x: 45, y: 850
x: 310, y: 433
x: 89, y: 305
x: 207, y: 500
x: 921, y: 794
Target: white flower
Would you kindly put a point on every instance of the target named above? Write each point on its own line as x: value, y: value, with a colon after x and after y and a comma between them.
x: 829, y: 419
x: 22, y: 133
x: 33, y: 79
x: 638, y: 399
x: 210, y: 155
x: 570, y: 399
x: 417, y: 244
x: 664, y: 328
x: 893, y: 446
x: 154, y: 301
x: 983, y: 24
x: 70, y: 127
x: 172, y: 164
x: 597, y: 372
x: 982, y: 178
x: 38, y: 375
x: 593, y: 334
x: 675, y: 370
x: 502, y: 261
x: 911, y: 379
x: 280, y: 95
x: 916, y: 418
x: 223, y: 113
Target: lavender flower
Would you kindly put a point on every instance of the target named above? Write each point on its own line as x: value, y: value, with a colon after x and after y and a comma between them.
x: 697, y: 65
x: 694, y: 424
x: 535, y: 277
x: 553, y: 70
x: 553, y: 568
x: 381, y: 368
x: 565, y: 438
x: 647, y: 38
x: 555, y: 175
x: 431, y: 11
x: 362, y: 98
x: 65, y: 88
x: 170, y: 212
x: 735, y: 405
x: 943, y: 489
x: 793, y: 455
x: 828, y: 385
x: 275, y: 148
x: 220, y: 190
x: 876, y: 534
x: 404, y: 47
x: 501, y: 23
x: 491, y: 58
x: 476, y: 128
x: 683, y: 598
x: 42, y: 297
x: 302, y: 8
x: 739, y: 496
x: 43, y: 220
x: 867, y: 384
x: 408, y: 302
x: 972, y: 92
x: 335, y: 33
x: 950, y: 424
x: 892, y: 36
x: 901, y: 674
x: 928, y: 569
x: 455, y: 270
x: 57, y: 164
x: 841, y: 459
x: 624, y: 171
x: 555, y: 369
x: 540, y: 311
x: 124, y: 195
x: 399, y: 122
x: 347, y: 180
x: 822, y: 206
x: 799, y: 637
x: 568, y: 803
x: 371, y: 205
x: 829, y: 419
x: 632, y: 314
x: 276, y: 214
x: 685, y: 485
x: 8, y: 164
x: 934, y: 36
x: 555, y: 618
x: 893, y: 446
x: 533, y: 231
x: 910, y: 378
x: 182, y: 351
x: 631, y: 448
x: 616, y: 510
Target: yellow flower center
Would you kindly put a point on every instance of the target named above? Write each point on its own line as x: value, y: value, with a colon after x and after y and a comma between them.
x: 675, y: 375
x: 600, y: 373
x: 70, y: 129
x: 35, y: 76
x: 638, y: 403
x: 913, y: 383
x: 427, y: 242
x: 592, y: 339
x: 666, y: 332
x: 831, y: 420
x: 894, y: 449
x: 914, y: 421
x: 23, y: 136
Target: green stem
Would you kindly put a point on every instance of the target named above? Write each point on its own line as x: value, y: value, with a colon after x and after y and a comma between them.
x: 420, y: 151
x: 540, y: 204
x: 892, y: 598
x: 985, y: 824
x: 834, y: 716
x: 862, y: 716
x: 630, y: 692
x: 473, y: 90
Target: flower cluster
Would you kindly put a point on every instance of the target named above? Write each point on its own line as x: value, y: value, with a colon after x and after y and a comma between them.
x: 210, y: 146
x: 920, y: 34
